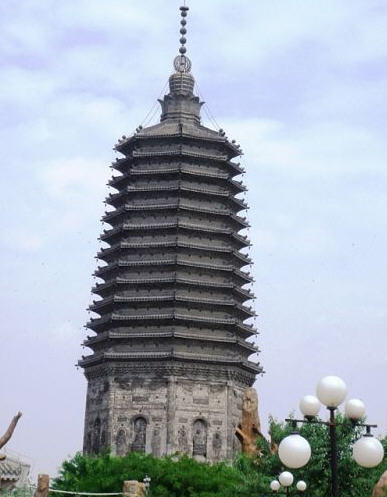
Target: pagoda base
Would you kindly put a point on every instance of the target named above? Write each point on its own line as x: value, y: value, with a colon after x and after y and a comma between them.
x: 165, y: 409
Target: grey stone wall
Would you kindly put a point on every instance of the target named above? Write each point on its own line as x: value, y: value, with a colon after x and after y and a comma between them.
x: 191, y: 416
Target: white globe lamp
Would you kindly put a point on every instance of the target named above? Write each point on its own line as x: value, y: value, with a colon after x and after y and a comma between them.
x: 301, y: 486
x: 275, y: 485
x: 310, y: 406
x: 355, y: 409
x: 368, y: 452
x: 294, y: 451
x: 331, y: 391
x: 286, y: 478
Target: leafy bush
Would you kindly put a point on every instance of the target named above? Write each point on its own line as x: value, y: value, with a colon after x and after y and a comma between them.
x: 170, y: 476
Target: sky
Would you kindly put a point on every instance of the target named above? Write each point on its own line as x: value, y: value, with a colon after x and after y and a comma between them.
x: 301, y: 85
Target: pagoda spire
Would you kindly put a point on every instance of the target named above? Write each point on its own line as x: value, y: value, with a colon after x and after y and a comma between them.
x: 182, y: 63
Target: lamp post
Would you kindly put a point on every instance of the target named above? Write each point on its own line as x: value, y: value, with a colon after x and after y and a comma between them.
x: 331, y: 392
x: 286, y: 479
x: 147, y: 481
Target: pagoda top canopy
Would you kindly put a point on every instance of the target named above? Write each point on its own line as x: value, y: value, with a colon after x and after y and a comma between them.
x: 180, y: 108
x: 181, y: 103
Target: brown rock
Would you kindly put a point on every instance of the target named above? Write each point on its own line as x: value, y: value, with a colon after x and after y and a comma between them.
x: 381, y: 487
x: 43, y: 486
x: 250, y: 428
x: 134, y: 488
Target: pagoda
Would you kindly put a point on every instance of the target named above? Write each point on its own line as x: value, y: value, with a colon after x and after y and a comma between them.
x: 170, y: 356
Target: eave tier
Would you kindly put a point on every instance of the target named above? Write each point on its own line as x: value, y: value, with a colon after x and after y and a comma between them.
x: 114, y: 302
x: 109, y: 235
x: 110, y: 217
x: 187, y: 153
x: 117, y: 199
x: 118, y: 249
x: 187, y: 335
x: 182, y: 133
x: 119, y: 182
x: 104, y: 271
x: 169, y: 281
x: 167, y: 356
x: 104, y: 323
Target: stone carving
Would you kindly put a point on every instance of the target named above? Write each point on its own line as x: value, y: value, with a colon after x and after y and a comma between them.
x: 42, y: 488
x: 121, y: 447
x: 250, y: 429
x: 133, y: 488
x: 199, y: 438
x: 381, y: 487
x: 182, y: 439
x: 96, y: 437
x: 103, y: 443
x: 139, y: 441
x: 217, y: 444
x: 156, y: 442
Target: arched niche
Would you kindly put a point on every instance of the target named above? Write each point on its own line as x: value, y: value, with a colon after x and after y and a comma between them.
x: 121, y: 443
x: 199, y: 438
x: 140, y: 424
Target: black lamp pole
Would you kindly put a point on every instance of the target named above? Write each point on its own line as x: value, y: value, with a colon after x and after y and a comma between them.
x: 333, y: 443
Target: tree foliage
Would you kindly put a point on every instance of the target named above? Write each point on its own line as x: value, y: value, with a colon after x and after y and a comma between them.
x: 170, y: 476
x: 181, y: 476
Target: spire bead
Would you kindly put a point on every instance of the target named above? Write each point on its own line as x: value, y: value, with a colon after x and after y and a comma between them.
x: 182, y: 64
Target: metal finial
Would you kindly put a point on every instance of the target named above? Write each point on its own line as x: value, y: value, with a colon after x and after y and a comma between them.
x: 182, y: 63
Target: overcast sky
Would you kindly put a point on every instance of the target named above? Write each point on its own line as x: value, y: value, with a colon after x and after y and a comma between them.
x: 302, y: 85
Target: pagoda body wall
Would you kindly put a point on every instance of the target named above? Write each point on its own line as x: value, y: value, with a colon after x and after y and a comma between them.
x: 171, y: 319
x: 172, y: 407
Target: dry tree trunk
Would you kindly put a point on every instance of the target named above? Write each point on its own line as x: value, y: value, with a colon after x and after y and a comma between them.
x: 8, y: 434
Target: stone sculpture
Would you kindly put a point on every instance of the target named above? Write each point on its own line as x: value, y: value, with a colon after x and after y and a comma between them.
x: 121, y: 443
x: 381, y: 487
x: 183, y: 440
x: 199, y: 438
x: 250, y: 429
x: 42, y: 488
x: 134, y: 488
x: 139, y: 435
x: 156, y: 442
x: 96, y: 436
x: 217, y: 445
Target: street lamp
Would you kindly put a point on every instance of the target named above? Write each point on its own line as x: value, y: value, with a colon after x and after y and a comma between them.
x: 147, y: 481
x: 331, y: 392
x: 286, y: 479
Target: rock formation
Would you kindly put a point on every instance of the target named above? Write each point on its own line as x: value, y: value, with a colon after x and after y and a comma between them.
x: 381, y: 487
x: 250, y: 428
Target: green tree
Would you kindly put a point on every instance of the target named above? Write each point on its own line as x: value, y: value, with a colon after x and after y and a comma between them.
x: 170, y: 476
